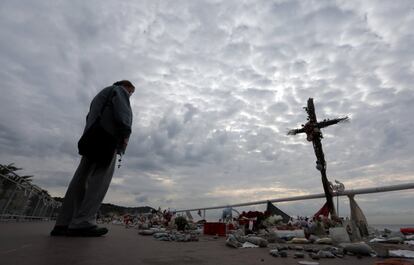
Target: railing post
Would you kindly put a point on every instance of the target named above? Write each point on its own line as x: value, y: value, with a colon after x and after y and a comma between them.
x: 45, y: 209
x: 26, y: 204
x: 44, y: 212
x: 51, y: 212
x: 35, y: 209
x: 42, y: 207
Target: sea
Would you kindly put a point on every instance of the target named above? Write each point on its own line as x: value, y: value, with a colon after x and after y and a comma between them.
x: 392, y: 227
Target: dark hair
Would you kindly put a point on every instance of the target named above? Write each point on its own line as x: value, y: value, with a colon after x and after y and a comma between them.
x: 125, y: 83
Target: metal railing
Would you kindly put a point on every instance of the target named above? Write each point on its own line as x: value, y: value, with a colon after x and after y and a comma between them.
x: 348, y: 193
x: 21, y: 200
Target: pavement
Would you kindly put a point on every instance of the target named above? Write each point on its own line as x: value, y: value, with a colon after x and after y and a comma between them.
x: 30, y: 243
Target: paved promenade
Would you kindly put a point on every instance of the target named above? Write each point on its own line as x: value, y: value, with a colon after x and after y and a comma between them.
x: 30, y: 243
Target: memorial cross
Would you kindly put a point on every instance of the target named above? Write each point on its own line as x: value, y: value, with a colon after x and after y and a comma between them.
x: 313, y: 134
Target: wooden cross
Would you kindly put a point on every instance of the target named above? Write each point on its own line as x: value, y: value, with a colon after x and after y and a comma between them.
x: 313, y: 134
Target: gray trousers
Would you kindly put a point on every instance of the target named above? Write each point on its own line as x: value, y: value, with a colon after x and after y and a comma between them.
x: 85, y: 194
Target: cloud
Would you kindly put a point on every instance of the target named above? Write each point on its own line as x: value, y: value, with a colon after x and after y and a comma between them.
x: 219, y: 83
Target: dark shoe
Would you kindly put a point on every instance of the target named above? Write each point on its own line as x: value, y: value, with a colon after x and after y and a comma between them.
x: 59, y: 230
x: 92, y: 231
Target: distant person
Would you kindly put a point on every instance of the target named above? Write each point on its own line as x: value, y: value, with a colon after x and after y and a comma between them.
x: 227, y: 214
x: 106, y: 134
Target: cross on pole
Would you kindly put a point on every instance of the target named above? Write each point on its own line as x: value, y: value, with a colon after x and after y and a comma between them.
x: 313, y: 134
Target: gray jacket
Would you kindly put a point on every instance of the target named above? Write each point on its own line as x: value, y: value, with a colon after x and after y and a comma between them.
x: 116, y: 117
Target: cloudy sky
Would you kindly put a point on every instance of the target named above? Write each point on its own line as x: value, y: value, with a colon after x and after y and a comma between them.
x: 219, y: 83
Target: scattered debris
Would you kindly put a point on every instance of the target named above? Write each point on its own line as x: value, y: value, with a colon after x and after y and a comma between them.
x: 325, y: 254
x: 339, y: 235
x: 289, y: 234
x: 394, y: 261
x: 283, y: 254
x: 314, y: 256
x: 325, y: 240
x: 274, y: 252
x: 305, y: 262
x: 360, y: 248
x: 249, y: 245
x: 402, y: 253
x: 233, y: 242
x: 300, y: 248
x: 176, y: 236
x: 146, y: 232
x: 261, y: 242
x: 298, y: 240
x: 409, y: 242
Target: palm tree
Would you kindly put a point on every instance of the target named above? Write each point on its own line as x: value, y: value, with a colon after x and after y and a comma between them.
x: 7, y: 187
x: 7, y: 169
x: 27, y: 178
